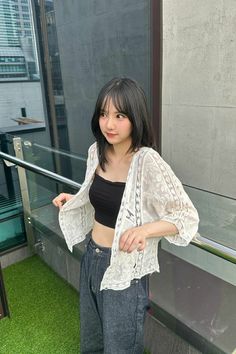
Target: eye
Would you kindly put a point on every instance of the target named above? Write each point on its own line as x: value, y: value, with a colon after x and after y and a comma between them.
x: 121, y: 115
x: 103, y: 114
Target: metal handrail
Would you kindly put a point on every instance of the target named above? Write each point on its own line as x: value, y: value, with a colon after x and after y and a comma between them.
x: 63, y: 153
x: 213, y: 247
x: 40, y: 170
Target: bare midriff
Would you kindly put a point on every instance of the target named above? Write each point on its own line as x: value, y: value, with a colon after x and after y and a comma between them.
x: 103, y: 235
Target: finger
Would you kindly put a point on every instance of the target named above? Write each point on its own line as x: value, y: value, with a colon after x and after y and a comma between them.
x: 133, y: 246
x: 141, y: 246
x: 137, y: 244
x: 128, y: 242
x: 57, y: 202
x: 123, y: 240
x: 54, y: 202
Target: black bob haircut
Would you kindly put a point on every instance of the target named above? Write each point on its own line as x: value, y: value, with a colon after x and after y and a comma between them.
x: 129, y: 98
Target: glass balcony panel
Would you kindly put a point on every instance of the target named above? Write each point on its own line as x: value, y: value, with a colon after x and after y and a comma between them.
x: 12, y: 233
x: 42, y: 190
x: 217, y: 216
x: 11, y: 221
x: 64, y: 163
x: 12, y: 230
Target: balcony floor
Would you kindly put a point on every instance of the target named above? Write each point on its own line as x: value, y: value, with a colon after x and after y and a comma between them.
x: 43, y: 308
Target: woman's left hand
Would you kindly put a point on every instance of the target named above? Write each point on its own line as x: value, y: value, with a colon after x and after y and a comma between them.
x: 133, y: 239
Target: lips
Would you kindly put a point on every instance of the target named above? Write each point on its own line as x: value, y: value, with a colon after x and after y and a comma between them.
x: 110, y: 135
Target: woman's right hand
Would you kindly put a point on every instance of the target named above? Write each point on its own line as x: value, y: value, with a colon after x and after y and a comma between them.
x: 61, y: 199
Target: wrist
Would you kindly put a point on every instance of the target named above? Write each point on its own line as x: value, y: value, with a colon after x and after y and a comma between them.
x: 146, y: 230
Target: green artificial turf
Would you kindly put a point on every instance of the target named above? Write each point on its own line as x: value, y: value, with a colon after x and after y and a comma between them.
x: 44, y: 311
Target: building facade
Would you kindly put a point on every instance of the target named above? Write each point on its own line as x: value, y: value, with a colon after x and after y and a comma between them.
x: 18, y: 56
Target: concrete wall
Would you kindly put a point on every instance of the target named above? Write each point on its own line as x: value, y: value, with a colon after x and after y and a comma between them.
x: 198, y: 117
x: 199, y: 133
x: 199, y: 92
x: 97, y: 41
x: 14, y: 96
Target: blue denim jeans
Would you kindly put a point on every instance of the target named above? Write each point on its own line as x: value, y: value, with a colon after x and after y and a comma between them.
x: 111, y: 321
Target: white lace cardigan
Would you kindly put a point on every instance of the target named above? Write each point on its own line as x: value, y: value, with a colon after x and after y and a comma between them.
x: 152, y: 192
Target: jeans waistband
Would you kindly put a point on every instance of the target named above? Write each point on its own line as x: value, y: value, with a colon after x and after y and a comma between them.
x: 98, y: 248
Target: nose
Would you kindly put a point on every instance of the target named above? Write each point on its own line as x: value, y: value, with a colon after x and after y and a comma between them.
x: 110, y: 122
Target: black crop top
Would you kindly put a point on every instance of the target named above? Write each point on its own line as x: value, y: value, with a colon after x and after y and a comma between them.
x: 105, y: 196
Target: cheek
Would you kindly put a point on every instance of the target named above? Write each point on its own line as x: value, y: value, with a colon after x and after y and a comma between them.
x: 100, y: 122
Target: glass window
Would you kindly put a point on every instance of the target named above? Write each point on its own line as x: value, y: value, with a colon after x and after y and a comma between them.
x: 25, y: 8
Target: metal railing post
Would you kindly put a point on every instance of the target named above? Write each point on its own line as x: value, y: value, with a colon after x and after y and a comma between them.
x: 25, y: 194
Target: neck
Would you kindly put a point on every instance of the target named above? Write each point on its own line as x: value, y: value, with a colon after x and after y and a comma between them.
x: 120, y: 150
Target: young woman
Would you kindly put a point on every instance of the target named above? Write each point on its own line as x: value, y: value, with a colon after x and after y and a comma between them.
x: 130, y: 199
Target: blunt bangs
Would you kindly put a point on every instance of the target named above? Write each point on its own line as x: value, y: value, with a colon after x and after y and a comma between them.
x: 117, y: 96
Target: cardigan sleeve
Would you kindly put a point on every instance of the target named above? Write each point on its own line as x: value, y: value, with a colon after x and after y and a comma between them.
x: 91, y: 154
x: 173, y: 203
x: 88, y: 163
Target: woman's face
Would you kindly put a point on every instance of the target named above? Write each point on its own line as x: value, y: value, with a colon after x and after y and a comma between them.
x: 115, y: 126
